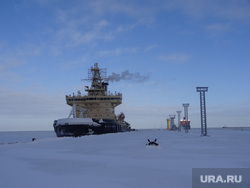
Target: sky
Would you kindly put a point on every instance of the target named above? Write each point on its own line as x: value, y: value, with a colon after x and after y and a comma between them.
x: 166, y: 48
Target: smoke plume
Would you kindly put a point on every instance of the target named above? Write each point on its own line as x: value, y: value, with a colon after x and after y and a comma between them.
x: 126, y: 75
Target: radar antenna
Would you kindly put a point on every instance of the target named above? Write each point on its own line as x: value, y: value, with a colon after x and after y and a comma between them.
x: 96, y: 73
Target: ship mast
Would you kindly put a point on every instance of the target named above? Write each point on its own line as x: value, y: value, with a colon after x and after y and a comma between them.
x: 97, y: 75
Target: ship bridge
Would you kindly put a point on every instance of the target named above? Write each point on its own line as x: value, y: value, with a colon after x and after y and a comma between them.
x: 99, y: 103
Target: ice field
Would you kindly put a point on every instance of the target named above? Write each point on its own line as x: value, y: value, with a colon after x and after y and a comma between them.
x: 120, y: 160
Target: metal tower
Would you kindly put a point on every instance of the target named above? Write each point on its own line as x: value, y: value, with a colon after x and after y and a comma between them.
x: 186, y: 116
x: 172, y: 125
x: 179, y: 118
x: 202, y: 91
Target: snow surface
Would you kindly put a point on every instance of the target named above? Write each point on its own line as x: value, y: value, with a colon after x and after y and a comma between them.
x: 120, y: 160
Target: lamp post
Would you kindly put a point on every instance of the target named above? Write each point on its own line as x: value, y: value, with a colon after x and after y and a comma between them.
x: 202, y: 91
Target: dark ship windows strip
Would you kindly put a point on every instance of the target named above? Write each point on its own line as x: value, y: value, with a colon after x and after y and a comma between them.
x: 90, y: 99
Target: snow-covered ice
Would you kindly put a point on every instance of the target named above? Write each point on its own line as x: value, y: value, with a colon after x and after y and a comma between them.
x: 120, y: 160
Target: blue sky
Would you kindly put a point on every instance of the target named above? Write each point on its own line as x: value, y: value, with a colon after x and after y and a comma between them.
x: 47, y: 46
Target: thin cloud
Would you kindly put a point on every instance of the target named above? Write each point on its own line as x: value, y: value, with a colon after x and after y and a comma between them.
x: 89, y: 22
x: 8, y: 63
x: 216, y: 28
x: 174, y: 58
x: 92, y: 21
x: 150, y: 47
x: 131, y: 9
x: 13, y: 58
x: 127, y: 27
x: 78, y: 27
x: 235, y: 10
x: 26, y: 104
x: 73, y: 64
x: 75, y: 37
x: 119, y: 51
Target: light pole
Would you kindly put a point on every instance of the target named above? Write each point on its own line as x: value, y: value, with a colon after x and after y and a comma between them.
x: 202, y: 91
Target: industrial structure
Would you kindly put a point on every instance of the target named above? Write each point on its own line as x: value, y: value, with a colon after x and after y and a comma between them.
x: 179, y: 119
x: 202, y: 91
x: 187, y: 124
x: 167, y: 124
x: 172, y: 124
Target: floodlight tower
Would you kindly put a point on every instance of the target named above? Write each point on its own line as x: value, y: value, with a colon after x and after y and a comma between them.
x: 179, y: 118
x: 172, y: 125
x: 202, y: 91
x: 186, y: 105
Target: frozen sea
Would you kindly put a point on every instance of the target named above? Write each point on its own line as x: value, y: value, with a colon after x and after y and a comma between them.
x: 120, y: 160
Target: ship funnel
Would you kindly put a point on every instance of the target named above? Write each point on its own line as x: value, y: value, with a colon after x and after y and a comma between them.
x: 105, y: 86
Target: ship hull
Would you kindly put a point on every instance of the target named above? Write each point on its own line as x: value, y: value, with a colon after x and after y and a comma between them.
x: 75, y: 130
x: 108, y: 126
